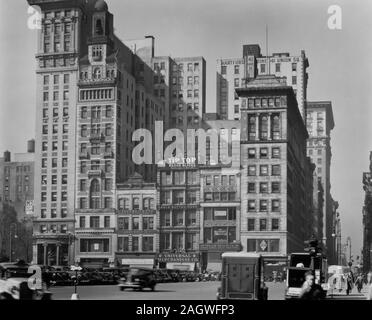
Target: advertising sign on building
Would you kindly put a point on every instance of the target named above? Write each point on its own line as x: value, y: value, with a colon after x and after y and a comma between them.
x: 29, y: 207
x: 178, y: 257
x: 220, y: 213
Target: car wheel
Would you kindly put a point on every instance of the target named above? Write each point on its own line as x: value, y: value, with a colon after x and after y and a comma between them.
x: 152, y: 288
x: 122, y: 288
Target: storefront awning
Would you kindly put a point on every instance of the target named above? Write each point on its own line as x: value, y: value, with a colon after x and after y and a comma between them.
x: 189, y: 266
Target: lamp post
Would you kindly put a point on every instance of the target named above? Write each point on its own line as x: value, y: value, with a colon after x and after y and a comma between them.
x: 70, y: 236
x: 11, y: 239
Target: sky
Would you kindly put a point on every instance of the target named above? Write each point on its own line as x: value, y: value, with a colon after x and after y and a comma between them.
x: 340, y: 67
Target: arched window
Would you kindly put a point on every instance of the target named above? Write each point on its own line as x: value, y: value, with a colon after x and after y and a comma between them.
x: 136, y: 203
x: 264, y: 128
x: 97, y: 73
x: 99, y: 28
x: 146, y: 203
x: 94, y: 186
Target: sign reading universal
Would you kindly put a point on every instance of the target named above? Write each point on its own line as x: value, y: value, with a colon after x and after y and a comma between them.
x: 178, y: 257
x: 176, y: 140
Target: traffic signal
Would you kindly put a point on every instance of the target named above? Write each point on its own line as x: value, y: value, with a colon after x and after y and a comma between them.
x: 312, y: 246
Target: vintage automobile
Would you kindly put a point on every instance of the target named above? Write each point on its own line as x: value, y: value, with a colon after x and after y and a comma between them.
x: 138, y: 278
x: 242, y: 277
x: 17, y: 283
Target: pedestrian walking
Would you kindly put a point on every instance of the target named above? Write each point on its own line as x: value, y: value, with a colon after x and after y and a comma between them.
x: 359, y: 283
x: 310, y: 290
x: 369, y: 285
x: 349, y: 282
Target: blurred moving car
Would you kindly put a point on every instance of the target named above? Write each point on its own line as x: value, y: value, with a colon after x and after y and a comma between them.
x: 138, y: 278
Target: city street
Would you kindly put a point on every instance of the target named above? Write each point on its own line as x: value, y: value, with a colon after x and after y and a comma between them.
x: 173, y: 291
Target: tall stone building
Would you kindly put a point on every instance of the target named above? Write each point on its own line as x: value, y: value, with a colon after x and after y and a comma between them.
x: 237, y: 72
x: 275, y: 169
x: 91, y: 91
x: 179, y: 82
x: 320, y: 122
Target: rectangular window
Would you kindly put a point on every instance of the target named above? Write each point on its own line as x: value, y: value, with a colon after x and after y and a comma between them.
x: 251, y: 170
x: 179, y: 177
x: 264, y: 187
x: 148, y: 223
x: 274, y: 224
x: 263, y: 205
x: 251, y: 205
x: 275, y: 153
x: 294, y: 80
x: 251, y: 153
x: 108, y: 203
x: 83, y: 203
x: 236, y: 69
x: 251, y: 224
x: 147, y: 244
x: 275, y: 187
x: 236, y: 82
x: 264, y: 170
x: 178, y: 197
x: 66, y: 79
x: 264, y: 153
x: 135, y: 223
x: 275, y: 170
x: 84, y: 113
x: 123, y: 223
x: 53, y: 213
x: 82, y: 222
x: 263, y: 224
x: 277, y: 67
x: 63, y: 196
x: 223, y: 69
x: 251, y: 187
x: 94, y: 222
x: 54, y: 162
x: 275, y: 205
x: 263, y: 68
x: 165, y: 218
x: 107, y: 222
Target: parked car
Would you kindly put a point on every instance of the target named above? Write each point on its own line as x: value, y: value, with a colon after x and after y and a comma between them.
x: 138, y: 278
